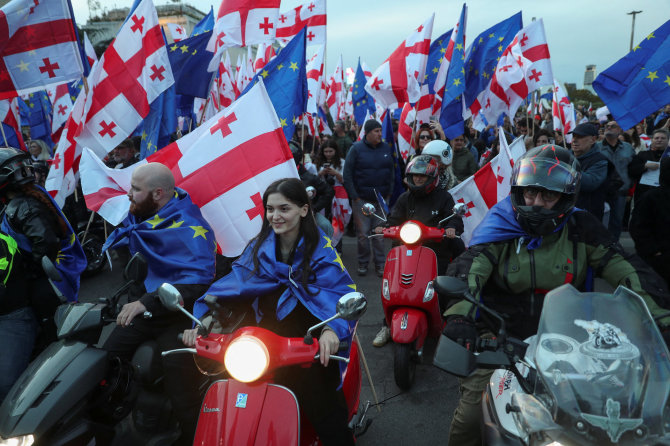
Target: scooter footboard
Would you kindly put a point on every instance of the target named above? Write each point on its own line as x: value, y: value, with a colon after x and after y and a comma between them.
x: 235, y: 413
x: 408, y: 325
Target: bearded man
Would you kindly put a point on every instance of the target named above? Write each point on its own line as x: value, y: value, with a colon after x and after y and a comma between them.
x: 170, y: 232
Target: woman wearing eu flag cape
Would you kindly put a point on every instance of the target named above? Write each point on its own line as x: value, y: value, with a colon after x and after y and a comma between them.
x: 293, y: 278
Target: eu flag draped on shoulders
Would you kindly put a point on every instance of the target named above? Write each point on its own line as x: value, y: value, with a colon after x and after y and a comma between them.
x: 70, y: 261
x: 639, y: 83
x: 285, y: 79
x: 179, y: 225
x: 331, y: 281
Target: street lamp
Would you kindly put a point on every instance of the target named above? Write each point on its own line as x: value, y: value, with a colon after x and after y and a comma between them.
x: 632, y: 30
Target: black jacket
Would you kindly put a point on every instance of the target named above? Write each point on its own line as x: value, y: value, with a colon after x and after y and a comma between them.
x: 324, y: 191
x: 636, y: 169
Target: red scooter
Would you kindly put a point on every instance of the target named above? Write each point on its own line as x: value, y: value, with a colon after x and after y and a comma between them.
x: 410, y: 303
x: 248, y: 408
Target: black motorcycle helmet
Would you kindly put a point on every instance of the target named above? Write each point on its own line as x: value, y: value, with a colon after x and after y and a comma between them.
x: 547, y: 167
x: 15, y: 167
x: 422, y: 165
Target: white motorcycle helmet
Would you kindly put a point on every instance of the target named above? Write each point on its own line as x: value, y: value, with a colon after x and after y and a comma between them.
x: 440, y: 149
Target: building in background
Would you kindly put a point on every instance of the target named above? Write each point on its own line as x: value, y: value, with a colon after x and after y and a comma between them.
x: 589, y: 77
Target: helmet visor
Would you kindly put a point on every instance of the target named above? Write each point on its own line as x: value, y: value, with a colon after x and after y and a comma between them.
x: 550, y: 174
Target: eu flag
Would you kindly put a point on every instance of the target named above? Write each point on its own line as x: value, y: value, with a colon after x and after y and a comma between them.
x: 451, y: 114
x: 189, y: 59
x: 435, y: 55
x: 36, y: 112
x: 159, y: 124
x: 638, y: 84
x: 363, y: 102
x: 482, y: 56
x: 205, y: 24
x: 285, y: 79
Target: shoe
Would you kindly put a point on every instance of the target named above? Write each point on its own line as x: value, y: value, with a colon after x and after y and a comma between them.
x: 382, y: 337
x: 380, y: 271
x: 362, y: 270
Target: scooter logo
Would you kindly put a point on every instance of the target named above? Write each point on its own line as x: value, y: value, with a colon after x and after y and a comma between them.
x: 206, y: 409
x: 241, y: 400
x: 504, y: 383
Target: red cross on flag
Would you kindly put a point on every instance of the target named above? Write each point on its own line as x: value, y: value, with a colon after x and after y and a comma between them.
x: 224, y: 85
x: 243, y: 23
x: 524, y: 66
x: 38, y: 46
x: 340, y: 212
x: 405, y: 140
x: 9, y: 114
x: 485, y: 188
x: 311, y: 15
x: 398, y: 79
x: 315, y: 80
x: 264, y: 54
x: 563, y: 112
x: 133, y: 71
x: 178, y: 32
x: 225, y: 165
x: 336, y: 96
x: 62, y: 105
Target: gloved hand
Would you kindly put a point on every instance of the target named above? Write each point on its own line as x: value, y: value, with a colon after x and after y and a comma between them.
x: 461, y: 329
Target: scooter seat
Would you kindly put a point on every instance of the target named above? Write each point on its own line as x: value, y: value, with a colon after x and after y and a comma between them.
x: 147, y: 364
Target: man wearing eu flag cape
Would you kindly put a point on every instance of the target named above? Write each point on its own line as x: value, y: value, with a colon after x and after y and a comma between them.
x: 178, y: 243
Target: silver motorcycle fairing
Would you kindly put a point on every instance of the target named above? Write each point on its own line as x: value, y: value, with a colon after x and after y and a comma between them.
x: 52, y: 384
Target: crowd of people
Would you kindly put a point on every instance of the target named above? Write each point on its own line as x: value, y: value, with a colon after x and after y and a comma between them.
x: 568, y: 200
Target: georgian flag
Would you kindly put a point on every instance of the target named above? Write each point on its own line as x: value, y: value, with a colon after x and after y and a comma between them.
x: 264, y: 54
x: 524, y: 66
x: 9, y: 115
x: 90, y: 51
x: 405, y: 131
x: 178, y: 32
x: 336, y: 96
x: 225, y: 165
x: 563, y: 112
x: 340, y: 212
x: 315, y: 79
x: 311, y: 15
x: 133, y: 71
x: 62, y: 105
x: 398, y: 79
x: 485, y: 188
x: 225, y: 86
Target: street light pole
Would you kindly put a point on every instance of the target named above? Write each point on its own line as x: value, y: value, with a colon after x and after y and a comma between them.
x: 632, y: 30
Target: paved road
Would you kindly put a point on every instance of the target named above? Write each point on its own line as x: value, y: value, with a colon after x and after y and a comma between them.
x: 420, y: 416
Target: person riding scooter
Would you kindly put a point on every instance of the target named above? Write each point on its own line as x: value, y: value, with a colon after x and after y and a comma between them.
x: 528, y: 244
x: 427, y: 203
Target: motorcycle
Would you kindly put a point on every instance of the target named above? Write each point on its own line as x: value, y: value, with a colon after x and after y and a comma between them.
x: 596, y: 372
x: 248, y: 408
x: 72, y: 392
x: 411, y: 306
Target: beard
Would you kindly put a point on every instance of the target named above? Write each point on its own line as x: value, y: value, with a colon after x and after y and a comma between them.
x: 143, y: 209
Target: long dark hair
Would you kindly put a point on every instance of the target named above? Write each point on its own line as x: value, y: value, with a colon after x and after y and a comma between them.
x: 294, y: 191
x: 336, y: 162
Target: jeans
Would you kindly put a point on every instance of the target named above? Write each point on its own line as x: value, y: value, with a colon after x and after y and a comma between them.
x: 617, y: 207
x: 364, y: 226
x: 18, y: 330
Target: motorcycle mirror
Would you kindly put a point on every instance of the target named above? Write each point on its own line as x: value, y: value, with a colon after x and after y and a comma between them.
x: 451, y: 287
x: 170, y: 297
x: 453, y: 358
x: 50, y: 269
x: 368, y: 209
x: 311, y: 192
x: 351, y: 306
x: 136, y: 269
x: 460, y: 209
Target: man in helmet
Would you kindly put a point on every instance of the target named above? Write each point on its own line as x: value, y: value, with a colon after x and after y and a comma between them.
x: 442, y: 153
x: 529, y: 243
x: 424, y: 201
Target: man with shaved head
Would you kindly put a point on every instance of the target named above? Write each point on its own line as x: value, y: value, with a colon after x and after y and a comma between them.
x: 168, y: 229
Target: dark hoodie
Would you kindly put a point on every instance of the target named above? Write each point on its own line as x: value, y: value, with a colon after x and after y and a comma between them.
x: 650, y: 222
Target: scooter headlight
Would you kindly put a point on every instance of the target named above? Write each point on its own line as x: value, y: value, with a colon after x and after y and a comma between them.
x: 410, y: 233
x: 246, y: 359
x: 429, y: 293
x: 385, y: 289
x: 24, y: 440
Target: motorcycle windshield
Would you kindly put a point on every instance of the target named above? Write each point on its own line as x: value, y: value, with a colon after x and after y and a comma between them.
x: 603, y: 365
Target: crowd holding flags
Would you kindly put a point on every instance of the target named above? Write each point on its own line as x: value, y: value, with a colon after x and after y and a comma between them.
x: 141, y: 85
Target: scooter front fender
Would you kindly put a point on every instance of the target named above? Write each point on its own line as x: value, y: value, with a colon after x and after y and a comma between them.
x: 409, y: 325
x: 257, y: 414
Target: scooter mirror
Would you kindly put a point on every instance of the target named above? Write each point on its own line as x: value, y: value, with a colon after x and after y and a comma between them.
x: 368, y: 209
x: 460, y: 209
x: 451, y: 287
x: 170, y: 297
x: 136, y: 269
x: 351, y: 306
x: 50, y: 269
x: 311, y: 192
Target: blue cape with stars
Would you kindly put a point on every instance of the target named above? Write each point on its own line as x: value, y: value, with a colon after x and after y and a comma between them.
x: 177, y: 242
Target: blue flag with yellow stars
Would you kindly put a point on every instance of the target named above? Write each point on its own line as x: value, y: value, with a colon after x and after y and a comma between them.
x: 483, y: 55
x: 205, y: 24
x: 285, y: 79
x: 70, y: 261
x: 451, y: 113
x: 36, y: 112
x: 189, y: 59
x: 435, y: 55
x: 177, y: 242
x: 639, y: 83
x: 330, y: 282
x: 362, y: 100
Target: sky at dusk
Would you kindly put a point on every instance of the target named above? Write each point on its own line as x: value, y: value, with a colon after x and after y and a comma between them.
x: 578, y: 32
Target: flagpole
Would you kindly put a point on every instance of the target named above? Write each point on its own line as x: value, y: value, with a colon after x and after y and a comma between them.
x: 367, y: 372
x: 533, y: 112
x: 527, y: 125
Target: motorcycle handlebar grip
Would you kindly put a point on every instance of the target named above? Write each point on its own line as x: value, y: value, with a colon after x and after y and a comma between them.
x: 344, y: 345
x: 180, y: 336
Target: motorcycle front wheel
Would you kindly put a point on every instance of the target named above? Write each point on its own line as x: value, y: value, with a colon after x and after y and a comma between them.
x: 404, y: 366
